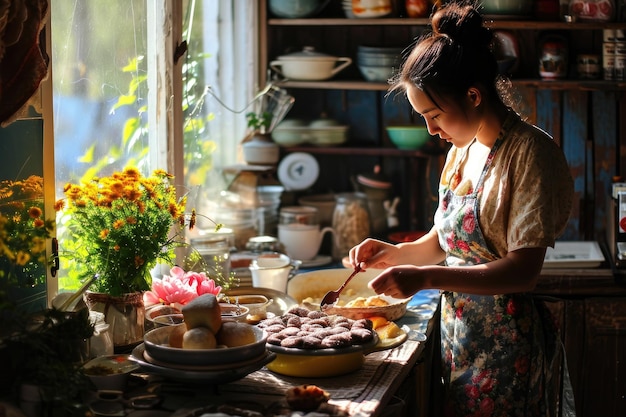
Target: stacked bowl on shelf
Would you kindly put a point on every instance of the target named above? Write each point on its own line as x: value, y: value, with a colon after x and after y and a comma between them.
x: 378, y: 64
x: 321, y: 132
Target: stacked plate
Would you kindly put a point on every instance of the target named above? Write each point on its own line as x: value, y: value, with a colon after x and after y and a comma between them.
x: 378, y: 64
x: 220, y: 365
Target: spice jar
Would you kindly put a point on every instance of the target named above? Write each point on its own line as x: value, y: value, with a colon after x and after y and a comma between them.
x: 351, y: 222
x: 553, y: 57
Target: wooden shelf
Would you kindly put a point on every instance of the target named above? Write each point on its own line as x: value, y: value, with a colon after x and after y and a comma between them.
x: 495, y: 24
x: 574, y: 84
x: 338, y: 150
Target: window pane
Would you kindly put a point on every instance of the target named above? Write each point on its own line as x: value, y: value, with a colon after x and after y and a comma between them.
x: 99, y: 90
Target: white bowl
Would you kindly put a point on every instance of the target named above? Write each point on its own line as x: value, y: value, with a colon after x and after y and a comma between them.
x: 109, y: 372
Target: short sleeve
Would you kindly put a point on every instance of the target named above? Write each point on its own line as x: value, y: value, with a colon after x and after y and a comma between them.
x: 528, y: 193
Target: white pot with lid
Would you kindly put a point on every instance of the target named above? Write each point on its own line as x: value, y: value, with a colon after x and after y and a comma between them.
x: 309, y: 65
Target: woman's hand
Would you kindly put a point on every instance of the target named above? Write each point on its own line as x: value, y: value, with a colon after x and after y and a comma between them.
x: 399, y: 281
x: 372, y: 253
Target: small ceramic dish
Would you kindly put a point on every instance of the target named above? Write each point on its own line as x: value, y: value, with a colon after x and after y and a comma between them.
x: 109, y: 372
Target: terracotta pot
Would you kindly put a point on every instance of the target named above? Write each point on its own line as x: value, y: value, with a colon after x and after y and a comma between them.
x: 125, y: 315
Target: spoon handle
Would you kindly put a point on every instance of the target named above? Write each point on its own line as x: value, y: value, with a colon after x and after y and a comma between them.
x: 352, y: 275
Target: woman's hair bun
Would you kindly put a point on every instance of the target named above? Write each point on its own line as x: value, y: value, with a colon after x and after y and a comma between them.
x: 463, y: 24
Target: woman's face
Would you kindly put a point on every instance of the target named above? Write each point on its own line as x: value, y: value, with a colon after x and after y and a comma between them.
x: 455, y: 122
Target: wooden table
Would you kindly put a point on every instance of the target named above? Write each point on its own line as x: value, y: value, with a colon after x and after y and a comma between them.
x: 364, y: 393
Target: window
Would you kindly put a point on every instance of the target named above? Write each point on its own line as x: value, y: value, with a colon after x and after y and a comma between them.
x: 113, y: 77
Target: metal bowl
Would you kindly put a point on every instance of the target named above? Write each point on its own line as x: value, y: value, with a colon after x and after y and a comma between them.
x: 157, y: 347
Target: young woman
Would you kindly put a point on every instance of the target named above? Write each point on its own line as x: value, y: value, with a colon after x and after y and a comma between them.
x: 505, y: 194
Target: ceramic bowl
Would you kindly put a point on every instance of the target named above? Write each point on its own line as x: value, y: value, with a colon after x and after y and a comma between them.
x: 308, y: 288
x: 376, y: 73
x: 291, y: 9
x: 507, y: 7
x: 157, y: 346
x: 109, y: 372
x: 408, y: 137
x: 289, y: 135
x: 328, y: 135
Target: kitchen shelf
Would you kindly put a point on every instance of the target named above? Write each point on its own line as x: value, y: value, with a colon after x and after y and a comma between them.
x: 494, y: 24
x: 337, y: 150
x: 565, y: 84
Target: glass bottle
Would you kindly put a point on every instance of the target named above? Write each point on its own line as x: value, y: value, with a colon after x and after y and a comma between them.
x: 351, y: 222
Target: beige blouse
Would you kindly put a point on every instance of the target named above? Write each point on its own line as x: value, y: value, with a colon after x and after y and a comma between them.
x: 528, y: 190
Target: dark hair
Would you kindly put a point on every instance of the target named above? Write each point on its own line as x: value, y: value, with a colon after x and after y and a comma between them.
x: 454, y: 56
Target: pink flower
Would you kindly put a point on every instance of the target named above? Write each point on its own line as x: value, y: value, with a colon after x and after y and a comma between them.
x: 180, y: 287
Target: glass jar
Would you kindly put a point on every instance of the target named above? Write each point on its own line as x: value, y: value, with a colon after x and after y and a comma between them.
x: 351, y: 222
x: 553, y: 61
x: 215, y: 253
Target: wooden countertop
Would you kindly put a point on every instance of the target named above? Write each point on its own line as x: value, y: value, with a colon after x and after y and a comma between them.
x: 581, y: 282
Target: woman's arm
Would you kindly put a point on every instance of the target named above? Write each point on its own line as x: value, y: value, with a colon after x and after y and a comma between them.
x: 375, y: 254
x: 516, y: 272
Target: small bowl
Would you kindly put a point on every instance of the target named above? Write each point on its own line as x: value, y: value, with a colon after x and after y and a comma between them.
x: 109, y: 372
x: 408, y: 137
x: 168, y: 320
x: 233, y: 312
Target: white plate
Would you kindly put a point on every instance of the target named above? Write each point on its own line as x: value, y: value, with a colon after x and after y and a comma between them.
x: 298, y: 171
x: 583, y: 254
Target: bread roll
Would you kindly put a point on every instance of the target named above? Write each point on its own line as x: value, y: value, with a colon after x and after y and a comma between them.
x: 203, y: 311
x: 199, y: 338
x: 176, y: 335
x: 234, y: 333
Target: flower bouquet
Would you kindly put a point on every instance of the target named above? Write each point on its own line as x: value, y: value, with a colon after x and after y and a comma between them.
x: 179, y: 288
x: 121, y: 226
x: 23, y: 233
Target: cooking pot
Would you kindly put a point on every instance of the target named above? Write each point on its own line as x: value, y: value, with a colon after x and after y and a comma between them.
x: 309, y: 65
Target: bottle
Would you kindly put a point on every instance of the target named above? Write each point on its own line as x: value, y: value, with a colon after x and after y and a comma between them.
x: 351, y: 222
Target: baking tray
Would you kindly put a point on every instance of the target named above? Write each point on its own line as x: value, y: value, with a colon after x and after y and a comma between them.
x: 574, y: 254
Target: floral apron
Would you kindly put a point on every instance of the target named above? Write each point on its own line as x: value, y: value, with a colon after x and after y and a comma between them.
x: 492, y: 347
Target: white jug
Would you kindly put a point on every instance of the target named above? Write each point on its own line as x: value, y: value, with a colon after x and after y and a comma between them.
x: 299, y: 232
x: 273, y: 270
